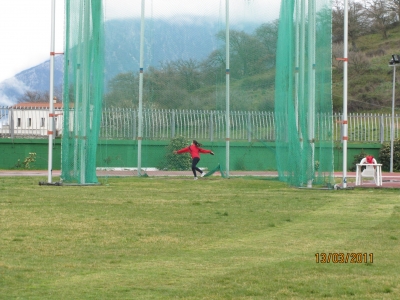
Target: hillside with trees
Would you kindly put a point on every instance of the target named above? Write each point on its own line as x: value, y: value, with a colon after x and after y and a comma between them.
x: 374, y: 35
x: 199, y: 83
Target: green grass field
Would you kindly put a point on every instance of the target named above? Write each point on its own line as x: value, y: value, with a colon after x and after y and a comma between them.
x: 176, y: 238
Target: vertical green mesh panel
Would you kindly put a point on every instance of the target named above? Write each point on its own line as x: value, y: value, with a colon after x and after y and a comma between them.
x: 183, y: 83
x: 83, y: 89
x: 303, y: 101
x: 182, y: 72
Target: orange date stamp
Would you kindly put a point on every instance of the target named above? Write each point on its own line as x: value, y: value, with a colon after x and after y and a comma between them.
x: 344, y: 258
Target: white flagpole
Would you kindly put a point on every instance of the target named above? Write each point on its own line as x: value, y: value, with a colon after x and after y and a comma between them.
x: 311, y: 88
x: 227, y: 77
x: 344, y: 121
x: 140, y: 109
x: 50, y: 125
x: 392, y: 124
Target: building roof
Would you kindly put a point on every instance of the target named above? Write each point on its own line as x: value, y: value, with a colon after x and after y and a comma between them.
x: 36, y: 105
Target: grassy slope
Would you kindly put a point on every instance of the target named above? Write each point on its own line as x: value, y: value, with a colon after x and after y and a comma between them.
x: 369, y: 90
x: 174, y: 238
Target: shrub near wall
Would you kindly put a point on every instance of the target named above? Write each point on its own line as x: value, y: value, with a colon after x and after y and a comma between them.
x: 384, y: 156
x: 14, y: 150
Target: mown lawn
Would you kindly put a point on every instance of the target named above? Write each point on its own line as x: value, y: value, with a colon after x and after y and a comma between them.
x: 175, y: 238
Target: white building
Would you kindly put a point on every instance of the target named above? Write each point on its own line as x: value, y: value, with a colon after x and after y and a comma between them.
x: 30, y: 119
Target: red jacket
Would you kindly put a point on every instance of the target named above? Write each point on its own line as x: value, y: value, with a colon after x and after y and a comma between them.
x: 193, y: 150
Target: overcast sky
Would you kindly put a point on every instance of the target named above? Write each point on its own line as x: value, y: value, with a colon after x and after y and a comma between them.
x: 25, y: 25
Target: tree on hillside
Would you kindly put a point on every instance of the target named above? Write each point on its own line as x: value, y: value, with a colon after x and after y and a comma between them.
x: 188, y: 74
x: 165, y: 87
x: 380, y: 15
x: 34, y: 96
x: 267, y: 34
x: 394, y: 5
x: 40, y: 96
x: 213, y: 67
x: 358, y: 22
x: 247, y: 54
x: 122, y: 91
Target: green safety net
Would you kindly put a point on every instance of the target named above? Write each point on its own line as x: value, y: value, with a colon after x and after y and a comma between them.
x: 83, y: 90
x: 303, y: 100
x: 183, y: 86
x: 217, y: 169
x: 184, y: 92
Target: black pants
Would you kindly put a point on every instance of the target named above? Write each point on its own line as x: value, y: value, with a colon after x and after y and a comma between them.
x: 195, y: 161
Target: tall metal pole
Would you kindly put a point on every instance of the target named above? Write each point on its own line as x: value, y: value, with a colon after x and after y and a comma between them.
x: 311, y: 89
x: 85, y: 91
x: 51, y: 93
x: 228, y: 124
x: 140, y: 110
x: 392, y: 126
x: 297, y: 62
x: 302, y: 64
x: 344, y: 121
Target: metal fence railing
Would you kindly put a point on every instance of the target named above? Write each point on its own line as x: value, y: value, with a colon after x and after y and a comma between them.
x: 210, y: 125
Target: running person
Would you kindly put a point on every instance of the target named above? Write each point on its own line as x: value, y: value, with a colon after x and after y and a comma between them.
x: 195, y: 150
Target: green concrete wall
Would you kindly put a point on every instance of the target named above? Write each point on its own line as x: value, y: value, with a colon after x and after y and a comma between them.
x: 243, y: 155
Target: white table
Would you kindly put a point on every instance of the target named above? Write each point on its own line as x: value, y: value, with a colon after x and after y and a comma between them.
x: 378, y: 170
